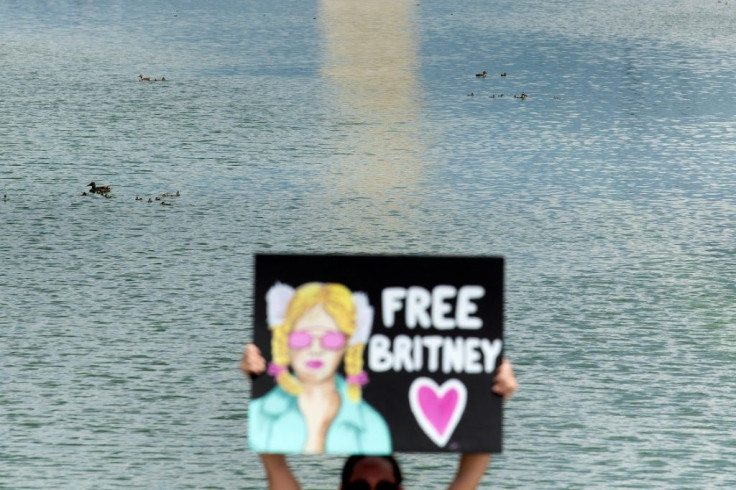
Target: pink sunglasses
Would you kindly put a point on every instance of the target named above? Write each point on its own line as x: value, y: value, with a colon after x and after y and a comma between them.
x: 330, y: 340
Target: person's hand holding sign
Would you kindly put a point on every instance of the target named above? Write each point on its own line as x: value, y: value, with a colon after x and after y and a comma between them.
x: 505, y: 383
x: 252, y: 363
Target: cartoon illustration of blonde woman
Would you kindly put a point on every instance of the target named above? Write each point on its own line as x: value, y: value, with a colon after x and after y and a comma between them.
x: 313, y: 408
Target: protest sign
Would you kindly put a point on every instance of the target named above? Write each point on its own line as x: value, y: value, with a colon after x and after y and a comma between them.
x: 375, y: 354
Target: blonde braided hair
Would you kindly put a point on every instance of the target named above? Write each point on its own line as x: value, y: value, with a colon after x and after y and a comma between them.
x: 337, y: 300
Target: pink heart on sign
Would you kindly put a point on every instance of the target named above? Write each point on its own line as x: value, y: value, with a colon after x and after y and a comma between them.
x: 438, y: 409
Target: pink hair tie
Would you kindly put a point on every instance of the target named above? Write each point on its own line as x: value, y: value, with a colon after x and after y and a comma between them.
x: 275, y: 370
x: 360, y: 379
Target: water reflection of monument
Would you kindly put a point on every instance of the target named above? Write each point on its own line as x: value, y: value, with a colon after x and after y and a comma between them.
x: 371, y: 64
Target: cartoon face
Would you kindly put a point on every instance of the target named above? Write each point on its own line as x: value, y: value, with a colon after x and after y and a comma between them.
x: 316, y: 346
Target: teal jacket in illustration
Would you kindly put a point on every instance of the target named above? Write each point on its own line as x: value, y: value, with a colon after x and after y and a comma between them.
x: 276, y: 425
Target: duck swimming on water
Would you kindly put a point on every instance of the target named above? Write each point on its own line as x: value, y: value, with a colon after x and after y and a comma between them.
x: 102, y: 190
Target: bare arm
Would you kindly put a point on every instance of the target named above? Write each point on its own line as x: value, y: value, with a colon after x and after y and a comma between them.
x: 277, y: 469
x: 470, y: 471
x: 278, y: 472
x: 473, y: 466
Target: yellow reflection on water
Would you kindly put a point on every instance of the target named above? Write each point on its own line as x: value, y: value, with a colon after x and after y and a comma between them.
x: 371, y: 65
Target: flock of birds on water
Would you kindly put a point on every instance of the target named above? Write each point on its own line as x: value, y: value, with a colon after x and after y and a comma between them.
x: 484, y: 74
x: 104, y: 191
x: 141, y: 78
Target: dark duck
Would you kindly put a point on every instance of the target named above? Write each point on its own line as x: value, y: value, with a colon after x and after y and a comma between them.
x: 101, y: 190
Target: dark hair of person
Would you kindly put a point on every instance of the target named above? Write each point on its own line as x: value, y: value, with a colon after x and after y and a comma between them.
x: 347, y: 470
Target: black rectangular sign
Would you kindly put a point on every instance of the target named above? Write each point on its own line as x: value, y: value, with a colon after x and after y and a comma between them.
x: 376, y: 354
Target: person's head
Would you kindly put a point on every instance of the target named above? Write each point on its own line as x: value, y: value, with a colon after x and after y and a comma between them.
x: 371, y: 473
x: 314, y: 337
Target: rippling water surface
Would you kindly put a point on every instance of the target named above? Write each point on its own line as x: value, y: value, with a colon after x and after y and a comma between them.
x: 328, y: 126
